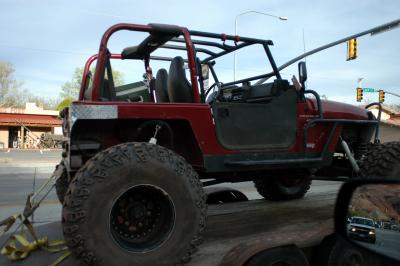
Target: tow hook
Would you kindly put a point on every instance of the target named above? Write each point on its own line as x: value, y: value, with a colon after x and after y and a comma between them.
x: 353, y: 161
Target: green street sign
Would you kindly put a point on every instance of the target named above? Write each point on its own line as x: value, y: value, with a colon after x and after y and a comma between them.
x: 369, y: 90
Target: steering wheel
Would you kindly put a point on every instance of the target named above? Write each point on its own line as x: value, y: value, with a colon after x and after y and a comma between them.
x: 216, y: 84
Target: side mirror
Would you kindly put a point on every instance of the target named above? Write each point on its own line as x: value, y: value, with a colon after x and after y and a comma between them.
x: 302, y: 72
x: 205, y: 70
x: 368, y: 215
x: 205, y: 73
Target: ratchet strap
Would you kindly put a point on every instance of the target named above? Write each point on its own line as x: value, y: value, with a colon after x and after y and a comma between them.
x: 18, y: 247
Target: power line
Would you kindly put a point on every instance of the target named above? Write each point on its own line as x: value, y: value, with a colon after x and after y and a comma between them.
x: 45, y: 50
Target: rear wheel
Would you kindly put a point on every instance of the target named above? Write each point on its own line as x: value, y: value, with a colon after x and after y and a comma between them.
x: 276, y: 188
x: 134, y: 203
x: 279, y: 256
x: 382, y: 160
x: 334, y: 251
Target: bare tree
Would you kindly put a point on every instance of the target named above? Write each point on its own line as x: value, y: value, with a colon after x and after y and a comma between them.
x: 13, y: 95
x: 8, y: 85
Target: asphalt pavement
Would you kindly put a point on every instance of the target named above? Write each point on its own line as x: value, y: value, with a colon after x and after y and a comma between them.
x: 21, y: 173
x: 387, y: 243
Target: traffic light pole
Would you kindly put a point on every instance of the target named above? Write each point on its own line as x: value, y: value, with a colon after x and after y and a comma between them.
x: 392, y: 93
x: 373, y: 31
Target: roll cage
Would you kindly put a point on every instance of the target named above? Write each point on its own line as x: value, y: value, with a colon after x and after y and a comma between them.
x: 173, y: 37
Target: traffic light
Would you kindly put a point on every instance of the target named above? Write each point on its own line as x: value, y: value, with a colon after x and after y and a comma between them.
x: 381, y: 96
x: 359, y: 94
x: 352, y: 49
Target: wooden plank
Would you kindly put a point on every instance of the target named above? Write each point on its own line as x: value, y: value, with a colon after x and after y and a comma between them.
x: 236, y: 231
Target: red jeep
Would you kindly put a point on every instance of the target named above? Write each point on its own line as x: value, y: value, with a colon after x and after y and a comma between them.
x: 138, y: 155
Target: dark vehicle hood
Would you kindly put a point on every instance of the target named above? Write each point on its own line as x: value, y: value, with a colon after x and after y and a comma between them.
x: 332, y: 109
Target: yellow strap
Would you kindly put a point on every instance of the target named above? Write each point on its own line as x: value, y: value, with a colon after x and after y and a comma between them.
x: 8, y: 223
x: 18, y: 247
x: 61, y: 258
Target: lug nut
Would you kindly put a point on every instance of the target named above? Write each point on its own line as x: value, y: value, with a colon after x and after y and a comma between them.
x: 132, y: 228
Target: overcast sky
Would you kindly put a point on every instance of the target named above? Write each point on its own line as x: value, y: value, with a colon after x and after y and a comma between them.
x: 47, y: 39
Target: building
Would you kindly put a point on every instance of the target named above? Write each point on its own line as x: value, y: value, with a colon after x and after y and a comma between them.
x: 390, y: 123
x: 22, y: 128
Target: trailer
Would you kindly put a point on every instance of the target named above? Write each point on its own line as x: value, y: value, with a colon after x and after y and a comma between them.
x: 237, y: 231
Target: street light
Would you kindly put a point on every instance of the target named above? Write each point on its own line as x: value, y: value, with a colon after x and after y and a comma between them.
x: 244, y: 13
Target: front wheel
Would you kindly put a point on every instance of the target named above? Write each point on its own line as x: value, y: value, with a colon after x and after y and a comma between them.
x: 279, y: 188
x: 382, y: 160
x: 134, y: 203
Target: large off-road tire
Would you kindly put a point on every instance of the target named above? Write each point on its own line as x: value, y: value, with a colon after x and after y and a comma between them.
x: 382, y: 160
x: 285, y: 255
x: 134, y: 204
x: 61, y: 181
x: 336, y: 251
x: 283, y: 188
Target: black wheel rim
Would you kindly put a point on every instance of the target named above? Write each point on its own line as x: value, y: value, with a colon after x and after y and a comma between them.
x: 142, y: 218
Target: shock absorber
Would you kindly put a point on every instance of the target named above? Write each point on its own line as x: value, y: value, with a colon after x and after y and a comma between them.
x: 362, y: 148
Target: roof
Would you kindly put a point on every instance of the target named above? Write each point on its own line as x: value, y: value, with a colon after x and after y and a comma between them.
x: 393, y: 121
x: 389, y: 115
x: 29, y: 120
x: 30, y: 108
x: 385, y: 108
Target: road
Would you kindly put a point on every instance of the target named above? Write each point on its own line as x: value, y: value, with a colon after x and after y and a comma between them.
x: 20, y: 172
x: 387, y: 242
x: 17, y: 170
x: 23, y: 157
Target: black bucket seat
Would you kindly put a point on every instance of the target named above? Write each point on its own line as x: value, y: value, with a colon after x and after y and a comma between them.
x: 179, y: 88
x: 161, y: 86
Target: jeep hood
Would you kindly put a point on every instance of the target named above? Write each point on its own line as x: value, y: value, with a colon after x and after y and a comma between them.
x: 332, y: 109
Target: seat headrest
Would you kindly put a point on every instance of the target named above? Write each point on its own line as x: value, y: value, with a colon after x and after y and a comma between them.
x: 179, y: 88
x: 161, y: 85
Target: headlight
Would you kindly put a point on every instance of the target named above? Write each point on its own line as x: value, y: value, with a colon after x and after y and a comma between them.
x: 353, y: 229
x: 371, y: 233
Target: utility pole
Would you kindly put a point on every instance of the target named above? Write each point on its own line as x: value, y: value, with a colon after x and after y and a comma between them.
x: 392, y: 93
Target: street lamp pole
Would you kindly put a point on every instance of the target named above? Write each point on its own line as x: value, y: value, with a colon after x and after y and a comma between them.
x: 236, y: 18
